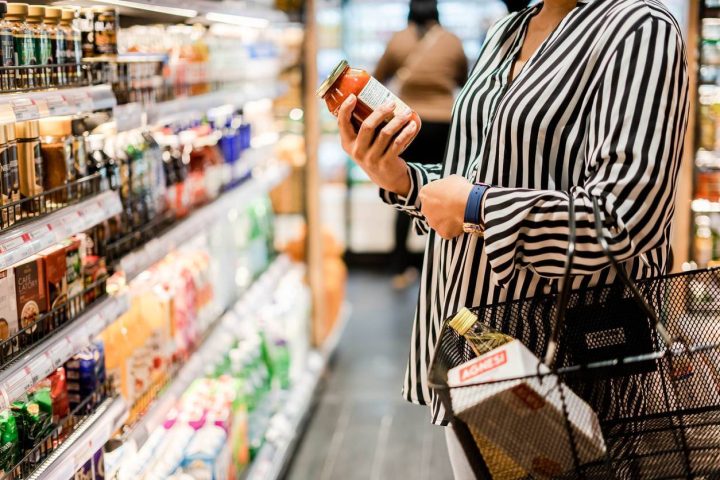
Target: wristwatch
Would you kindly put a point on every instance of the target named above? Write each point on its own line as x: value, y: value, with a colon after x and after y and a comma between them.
x: 472, y: 223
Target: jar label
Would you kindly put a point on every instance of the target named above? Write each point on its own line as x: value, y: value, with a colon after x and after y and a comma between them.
x: 375, y: 94
x: 7, y: 47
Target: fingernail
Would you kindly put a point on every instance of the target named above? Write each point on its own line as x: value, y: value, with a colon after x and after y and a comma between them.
x: 406, y: 114
x: 412, y: 126
x: 389, y: 105
x: 350, y: 98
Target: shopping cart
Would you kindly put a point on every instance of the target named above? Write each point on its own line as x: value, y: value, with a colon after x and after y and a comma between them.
x: 657, y: 396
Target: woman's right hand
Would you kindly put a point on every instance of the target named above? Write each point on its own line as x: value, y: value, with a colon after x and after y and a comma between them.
x: 378, y: 155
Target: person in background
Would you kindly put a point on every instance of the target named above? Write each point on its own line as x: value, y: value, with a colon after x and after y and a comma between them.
x: 429, y: 65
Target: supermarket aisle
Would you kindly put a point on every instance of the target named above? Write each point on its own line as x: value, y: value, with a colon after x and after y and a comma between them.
x: 362, y: 429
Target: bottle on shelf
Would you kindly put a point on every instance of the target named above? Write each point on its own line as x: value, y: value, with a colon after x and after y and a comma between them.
x: 10, y: 176
x: 41, y: 44
x: 24, y: 45
x: 58, y: 46
x: 30, y: 164
x: 7, y: 51
x: 73, y: 46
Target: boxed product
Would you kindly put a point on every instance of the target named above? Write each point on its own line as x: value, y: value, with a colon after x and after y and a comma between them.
x: 8, y: 306
x: 207, y: 456
x: 55, y: 279
x: 31, y: 291
x: 93, y: 270
x: 520, y: 415
x: 73, y: 272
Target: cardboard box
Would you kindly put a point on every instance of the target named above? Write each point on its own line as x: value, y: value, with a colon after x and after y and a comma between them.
x: 31, y: 290
x: 8, y: 305
x: 74, y: 275
x: 55, y: 276
x: 521, y: 414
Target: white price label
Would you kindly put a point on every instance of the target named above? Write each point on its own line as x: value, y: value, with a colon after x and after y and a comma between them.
x: 41, y: 367
x: 19, y: 383
x: 81, y: 101
x: 25, y: 109
x: 61, y: 351
x: 57, y: 105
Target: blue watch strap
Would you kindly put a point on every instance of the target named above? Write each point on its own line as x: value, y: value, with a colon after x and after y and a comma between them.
x: 472, y: 208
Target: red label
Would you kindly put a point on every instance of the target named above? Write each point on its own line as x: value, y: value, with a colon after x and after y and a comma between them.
x: 481, y: 366
x: 528, y: 396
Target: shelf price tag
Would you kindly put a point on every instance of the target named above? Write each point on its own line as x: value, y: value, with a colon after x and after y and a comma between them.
x: 18, y: 383
x: 57, y: 105
x: 81, y: 101
x: 25, y: 109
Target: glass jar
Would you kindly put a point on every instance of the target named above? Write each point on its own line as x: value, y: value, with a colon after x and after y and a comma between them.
x: 84, y: 23
x: 10, y: 172
x: 7, y: 51
x: 57, y: 45
x: 105, y: 28
x: 24, y: 46
x: 41, y: 44
x: 370, y: 94
x: 73, y: 46
x: 56, y: 145
x: 30, y: 163
x: 79, y: 142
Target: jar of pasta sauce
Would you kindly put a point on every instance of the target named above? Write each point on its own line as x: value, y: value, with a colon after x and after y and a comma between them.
x: 370, y: 94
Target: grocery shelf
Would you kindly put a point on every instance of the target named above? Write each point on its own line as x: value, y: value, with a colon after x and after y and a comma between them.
x: 217, y: 342
x: 80, y: 447
x: 33, y: 236
x: 143, y: 258
x: 23, y: 106
x: 51, y: 353
x: 288, y: 424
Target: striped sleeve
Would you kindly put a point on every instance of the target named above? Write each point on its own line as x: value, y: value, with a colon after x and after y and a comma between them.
x: 420, y: 175
x: 636, y: 123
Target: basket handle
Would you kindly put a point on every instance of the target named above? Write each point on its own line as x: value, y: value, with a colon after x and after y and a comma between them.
x: 566, y: 285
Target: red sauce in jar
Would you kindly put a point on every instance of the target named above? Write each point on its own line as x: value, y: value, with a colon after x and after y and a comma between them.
x: 370, y: 93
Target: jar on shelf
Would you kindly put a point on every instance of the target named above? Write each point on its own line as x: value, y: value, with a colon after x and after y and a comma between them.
x: 30, y: 163
x: 56, y: 145
x: 105, y: 28
x: 41, y: 44
x: 58, y: 47
x: 370, y: 93
x: 7, y: 51
x: 73, y: 45
x: 10, y: 169
x: 24, y: 46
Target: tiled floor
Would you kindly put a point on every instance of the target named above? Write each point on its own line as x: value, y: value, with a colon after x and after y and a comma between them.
x: 362, y: 429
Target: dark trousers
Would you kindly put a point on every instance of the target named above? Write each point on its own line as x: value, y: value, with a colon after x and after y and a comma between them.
x: 428, y: 147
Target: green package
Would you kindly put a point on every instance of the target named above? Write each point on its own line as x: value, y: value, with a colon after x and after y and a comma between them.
x: 9, y: 441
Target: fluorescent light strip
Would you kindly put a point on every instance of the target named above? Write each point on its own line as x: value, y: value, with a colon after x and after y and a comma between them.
x: 180, y: 12
x: 243, y: 21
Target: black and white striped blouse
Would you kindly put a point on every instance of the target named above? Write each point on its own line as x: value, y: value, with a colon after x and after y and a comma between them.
x: 600, y: 109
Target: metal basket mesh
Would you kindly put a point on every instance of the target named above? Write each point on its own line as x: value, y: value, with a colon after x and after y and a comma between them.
x: 658, y: 408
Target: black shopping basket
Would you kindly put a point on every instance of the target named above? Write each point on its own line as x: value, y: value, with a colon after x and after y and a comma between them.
x: 644, y: 355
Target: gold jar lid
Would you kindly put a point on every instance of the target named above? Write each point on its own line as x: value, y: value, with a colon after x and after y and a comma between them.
x: 56, y: 127
x: 29, y: 129
x: 10, y: 132
x: 53, y: 15
x: 35, y: 14
x: 334, y: 75
x: 68, y: 15
x: 463, y: 321
x: 18, y: 10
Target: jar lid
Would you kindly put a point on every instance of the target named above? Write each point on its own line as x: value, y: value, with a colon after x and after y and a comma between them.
x: 53, y: 14
x: 334, y: 75
x: 18, y: 9
x: 56, y: 126
x: 29, y: 129
x: 10, y: 132
x: 68, y: 14
x: 36, y: 12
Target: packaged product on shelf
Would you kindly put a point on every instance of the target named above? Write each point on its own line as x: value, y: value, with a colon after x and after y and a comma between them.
x: 79, y: 136
x: 31, y: 290
x: 58, y: 158
x: 7, y: 51
x: 33, y: 416
x: 10, y: 447
x: 73, y: 273
x: 24, y: 46
x: 525, y: 408
x: 58, y: 45
x: 84, y: 23
x: 10, y: 186
x: 41, y: 43
x: 85, y: 373
x: 85, y: 472
x: 207, y: 455
x: 30, y: 164
x: 74, y: 53
x: 94, y: 269
x: 59, y: 395
x: 106, y: 24
x: 55, y: 281
x: 8, y: 308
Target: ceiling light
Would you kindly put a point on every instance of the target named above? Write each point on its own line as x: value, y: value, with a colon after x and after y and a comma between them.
x: 253, y: 22
x: 180, y: 12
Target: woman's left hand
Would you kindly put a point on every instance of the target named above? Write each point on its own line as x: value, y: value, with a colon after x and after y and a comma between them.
x: 443, y: 204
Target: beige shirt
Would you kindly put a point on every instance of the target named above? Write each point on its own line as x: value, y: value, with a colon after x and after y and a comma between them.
x: 432, y: 75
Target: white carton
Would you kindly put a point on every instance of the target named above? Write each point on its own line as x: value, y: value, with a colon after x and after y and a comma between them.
x: 521, y: 414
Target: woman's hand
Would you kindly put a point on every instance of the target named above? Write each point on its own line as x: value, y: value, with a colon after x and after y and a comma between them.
x: 378, y: 155
x: 443, y: 205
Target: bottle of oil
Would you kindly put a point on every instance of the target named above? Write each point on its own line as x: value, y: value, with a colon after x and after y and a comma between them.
x: 482, y: 339
x: 24, y: 46
x: 41, y: 44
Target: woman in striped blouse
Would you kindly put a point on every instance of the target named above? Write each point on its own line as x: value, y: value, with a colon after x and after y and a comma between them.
x: 583, y: 98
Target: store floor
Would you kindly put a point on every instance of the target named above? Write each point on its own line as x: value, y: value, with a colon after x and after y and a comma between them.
x: 362, y: 428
